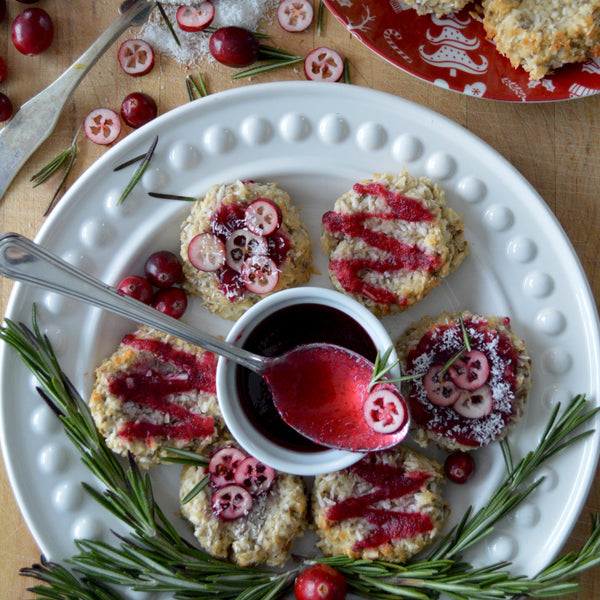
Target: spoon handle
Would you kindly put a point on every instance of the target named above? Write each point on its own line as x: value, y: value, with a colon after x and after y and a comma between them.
x: 25, y: 261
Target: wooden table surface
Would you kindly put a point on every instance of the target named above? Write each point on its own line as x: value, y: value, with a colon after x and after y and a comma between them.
x: 554, y: 145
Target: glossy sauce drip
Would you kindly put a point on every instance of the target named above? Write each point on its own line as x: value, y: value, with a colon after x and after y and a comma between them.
x: 224, y: 222
x: 400, y: 255
x: 437, y: 346
x: 389, y: 483
x: 279, y: 332
x: 168, y: 371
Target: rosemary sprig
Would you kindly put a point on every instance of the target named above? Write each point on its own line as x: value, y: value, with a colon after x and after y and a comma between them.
x: 168, y: 23
x: 139, y: 171
x: 172, y: 197
x: 279, y: 58
x: 67, y: 157
x: 155, y: 558
x: 200, y: 87
x: 381, y: 367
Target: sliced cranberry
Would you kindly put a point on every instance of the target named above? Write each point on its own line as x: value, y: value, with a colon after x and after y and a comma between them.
x: 223, y: 464
x: 163, y: 269
x: 320, y: 582
x: 195, y: 18
x: 3, y: 70
x: 295, y: 15
x: 260, y: 274
x: 475, y: 404
x: 207, y: 252
x: 241, y: 244
x: 255, y: 476
x: 231, y: 502
x: 440, y: 391
x: 323, y: 64
x: 32, y: 31
x: 459, y: 466
x: 263, y: 216
x: 6, y: 107
x: 136, y: 57
x: 171, y: 301
x: 102, y: 126
x: 384, y: 410
x: 470, y: 371
x: 137, y: 287
x: 138, y: 108
x: 234, y: 46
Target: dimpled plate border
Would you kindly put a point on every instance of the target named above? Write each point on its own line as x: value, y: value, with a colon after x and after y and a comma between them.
x: 315, y: 140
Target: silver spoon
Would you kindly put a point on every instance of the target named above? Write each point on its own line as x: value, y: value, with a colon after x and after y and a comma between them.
x: 35, y: 120
x: 319, y: 370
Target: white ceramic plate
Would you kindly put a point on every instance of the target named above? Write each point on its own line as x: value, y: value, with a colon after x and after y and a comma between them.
x: 316, y: 140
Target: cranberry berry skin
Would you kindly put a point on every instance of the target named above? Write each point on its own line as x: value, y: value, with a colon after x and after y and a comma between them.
x: 6, y: 108
x: 32, y: 31
x: 234, y: 46
x: 459, y: 466
x: 163, y: 269
x: 171, y: 301
x: 320, y: 582
x: 137, y: 287
x: 138, y: 109
x: 3, y: 69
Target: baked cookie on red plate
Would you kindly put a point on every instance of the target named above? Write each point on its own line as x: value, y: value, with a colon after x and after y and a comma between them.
x: 464, y: 398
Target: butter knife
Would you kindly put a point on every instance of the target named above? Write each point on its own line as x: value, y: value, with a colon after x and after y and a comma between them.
x: 35, y: 120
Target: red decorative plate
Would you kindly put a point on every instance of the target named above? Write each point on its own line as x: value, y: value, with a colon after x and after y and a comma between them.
x: 453, y: 52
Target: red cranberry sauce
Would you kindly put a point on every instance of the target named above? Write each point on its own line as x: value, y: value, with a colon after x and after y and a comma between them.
x: 438, y: 346
x: 163, y: 372
x: 388, y: 483
x: 278, y: 333
x: 400, y: 255
x: 229, y: 218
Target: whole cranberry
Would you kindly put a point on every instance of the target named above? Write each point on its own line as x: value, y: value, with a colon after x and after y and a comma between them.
x: 459, y: 466
x: 6, y: 107
x: 3, y: 69
x: 320, y: 582
x: 137, y: 287
x: 32, y: 31
x: 163, y: 269
x: 138, y: 109
x: 234, y: 46
x: 171, y: 301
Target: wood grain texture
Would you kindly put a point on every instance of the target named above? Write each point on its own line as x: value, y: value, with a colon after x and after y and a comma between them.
x: 555, y: 146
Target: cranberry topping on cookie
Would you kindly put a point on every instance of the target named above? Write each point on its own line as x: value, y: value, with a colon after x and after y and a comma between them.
x: 151, y: 383
x: 475, y: 399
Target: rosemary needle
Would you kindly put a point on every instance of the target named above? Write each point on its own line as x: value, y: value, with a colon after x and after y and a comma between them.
x: 172, y: 197
x: 139, y: 172
x: 168, y: 22
x: 131, y: 161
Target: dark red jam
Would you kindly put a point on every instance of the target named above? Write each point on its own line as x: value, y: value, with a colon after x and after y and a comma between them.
x: 400, y: 256
x: 280, y: 332
x: 226, y: 220
x: 154, y: 379
x: 439, y: 344
x: 388, y: 483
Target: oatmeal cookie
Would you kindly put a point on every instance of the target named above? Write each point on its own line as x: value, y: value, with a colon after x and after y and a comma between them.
x: 385, y: 507
x: 439, y: 8
x: 244, y: 259
x: 391, y: 240
x: 481, y: 396
x: 542, y: 36
x: 156, y: 391
x: 265, y: 524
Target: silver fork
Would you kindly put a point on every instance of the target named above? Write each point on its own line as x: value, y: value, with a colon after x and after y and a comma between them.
x: 35, y: 120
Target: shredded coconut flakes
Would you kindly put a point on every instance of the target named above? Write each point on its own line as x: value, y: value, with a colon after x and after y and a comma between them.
x: 194, y: 46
